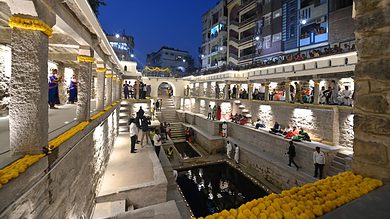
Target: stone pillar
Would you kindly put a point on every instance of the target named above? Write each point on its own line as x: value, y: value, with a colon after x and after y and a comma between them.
x: 108, y: 90
x: 28, y: 109
x: 114, y: 87
x: 238, y: 86
x: 226, y: 91
x: 208, y: 89
x: 372, y: 89
x: 119, y: 90
x: 196, y: 108
x: 84, y: 92
x: 93, y: 87
x: 250, y: 91
x: 62, y: 86
x: 266, y: 94
x: 100, y: 87
x: 287, y: 91
x: 316, y: 92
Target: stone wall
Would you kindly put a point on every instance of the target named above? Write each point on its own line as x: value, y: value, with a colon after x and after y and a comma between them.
x: 372, y: 79
x: 63, y: 184
x: 331, y: 125
x: 5, y: 73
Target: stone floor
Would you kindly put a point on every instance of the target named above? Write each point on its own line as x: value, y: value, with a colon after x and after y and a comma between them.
x: 60, y: 120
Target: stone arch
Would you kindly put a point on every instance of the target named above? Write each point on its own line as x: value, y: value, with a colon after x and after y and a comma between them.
x: 169, y: 83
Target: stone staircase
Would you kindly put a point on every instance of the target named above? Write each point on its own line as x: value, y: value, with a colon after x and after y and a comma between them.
x: 177, y: 132
x: 339, y: 164
x: 168, y: 111
x: 124, y: 116
x: 242, y: 110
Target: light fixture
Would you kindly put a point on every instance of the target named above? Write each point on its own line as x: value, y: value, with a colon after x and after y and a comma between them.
x: 184, y: 60
x: 304, y: 21
x: 202, y: 56
x: 257, y: 38
x: 220, y: 48
x: 117, y: 35
x: 132, y: 55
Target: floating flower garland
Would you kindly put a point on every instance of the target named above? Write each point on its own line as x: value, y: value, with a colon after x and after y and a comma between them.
x: 306, y: 202
x: 30, y: 24
x: 89, y: 59
x: 157, y: 69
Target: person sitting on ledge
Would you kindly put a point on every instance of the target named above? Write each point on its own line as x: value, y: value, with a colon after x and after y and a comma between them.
x: 292, y: 133
x: 302, y: 136
x: 187, y: 134
x: 276, y: 129
x: 243, y: 120
x: 259, y: 124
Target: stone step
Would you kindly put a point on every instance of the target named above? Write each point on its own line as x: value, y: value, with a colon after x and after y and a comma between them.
x: 337, y: 165
x: 341, y: 155
x: 109, y: 209
x: 340, y: 159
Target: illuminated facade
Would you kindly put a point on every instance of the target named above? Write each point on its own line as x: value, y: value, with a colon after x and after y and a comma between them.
x: 123, y: 46
x: 176, y: 60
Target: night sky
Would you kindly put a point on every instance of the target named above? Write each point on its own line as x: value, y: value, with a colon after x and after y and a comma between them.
x: 155, y: 23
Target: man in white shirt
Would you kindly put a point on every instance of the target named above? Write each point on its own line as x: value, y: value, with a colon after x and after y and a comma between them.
x: 346, y: 97
x: 236, y: 153
x: 133, y: 135
x: 228, y: 149
x: 319, y: 162
x: 224, y: 129
x: 157, y: 141
x: 209, y: 112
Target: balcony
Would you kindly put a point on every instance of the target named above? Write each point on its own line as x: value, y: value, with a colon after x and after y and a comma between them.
x: 247, y: 3
x: 246, y: 57
x: 246, y: 39
x: 248, y: 20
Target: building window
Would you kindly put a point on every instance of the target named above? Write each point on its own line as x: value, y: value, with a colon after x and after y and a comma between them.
x: 277, y: 13
x: 276, y: 37
x: 267, y: 42
x: 267, y: 19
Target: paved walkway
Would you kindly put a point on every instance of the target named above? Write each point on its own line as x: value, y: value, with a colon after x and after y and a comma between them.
x: 60, y: 120
x: 126, y: 169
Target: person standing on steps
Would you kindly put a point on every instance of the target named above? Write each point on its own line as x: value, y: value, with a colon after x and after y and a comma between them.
x: 319, y: 162
x: 228, y: 149
x: 157, y: 142
x: 291, y: 155
x: 157, y: 105
x: 133, y: 135
x: 209, y: 111
x: 224, y: 129
x: 236, y: 153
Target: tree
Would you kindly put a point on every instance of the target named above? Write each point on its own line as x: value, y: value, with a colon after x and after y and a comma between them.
x: 95, y: 4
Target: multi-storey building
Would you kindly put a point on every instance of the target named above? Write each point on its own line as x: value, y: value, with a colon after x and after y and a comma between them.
x: 260, y: 30
x: 214, y: 36
x: 123, y: 46
x: 174, y: 59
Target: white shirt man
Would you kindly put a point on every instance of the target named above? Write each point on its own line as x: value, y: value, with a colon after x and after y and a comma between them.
x: 157, y: 141
x: 319, y: 162
x: 346, y: 96
x: 236, y: 153
x: 133, y: 136
x: 224, y: 129
x: 228, y: 149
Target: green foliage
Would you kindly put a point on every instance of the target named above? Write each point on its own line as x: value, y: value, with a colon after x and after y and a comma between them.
x: 95, y: 4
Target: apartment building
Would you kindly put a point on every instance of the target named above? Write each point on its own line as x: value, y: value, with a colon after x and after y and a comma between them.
x: 123, y: 46
x: 214, y: 36
x: 175, y: 59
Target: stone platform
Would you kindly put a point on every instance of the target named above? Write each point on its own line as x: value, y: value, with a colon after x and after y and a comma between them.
x: 137, y: 178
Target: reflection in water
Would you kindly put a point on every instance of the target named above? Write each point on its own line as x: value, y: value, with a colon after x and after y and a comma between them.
x: 212, y: 188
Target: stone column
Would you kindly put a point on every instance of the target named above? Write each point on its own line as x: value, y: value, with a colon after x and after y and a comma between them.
x: 114, y: 87
x: 28, y: 109
x: 238, y: 86
x: 250, y: 91
x: 196, y: 108
x: 227, y: 87
x: 372, y: 83
x: 62, y: 86
x: 316, y: 92
x: 287, y: 91
x: 108, y: 90
x: 100, y: 87
x: 93, y: 87
x: 266, y: 94
x: 208, y: 89
x: 84, y: 92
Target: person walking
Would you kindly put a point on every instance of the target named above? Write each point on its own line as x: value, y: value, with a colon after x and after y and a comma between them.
x: 133, y: 135
x: 157, y: 142
x: 228, y: 149
x: 236, y: 153
x: 319, y: 162
x: 145, y: 122
x: 53, y: 89
x: 157, y: 105
x: 291, y: 155
x: 126, y: 90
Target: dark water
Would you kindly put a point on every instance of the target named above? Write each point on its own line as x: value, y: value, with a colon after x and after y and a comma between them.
x: 186, y: 150
x: 212, y: 188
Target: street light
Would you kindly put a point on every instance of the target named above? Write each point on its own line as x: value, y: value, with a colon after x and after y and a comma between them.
x: 184, y: 60
x: 257, y: 38
x: 301, y: 22
x: 220, y: 48
x: 132, y: 55
x: 117, y: 35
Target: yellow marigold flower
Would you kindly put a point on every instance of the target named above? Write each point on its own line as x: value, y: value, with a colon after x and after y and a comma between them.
x: 263, y: 216
x: 233, y: 212
x: 225, y: 213
x: 255, y: 211
x: 317, y: 210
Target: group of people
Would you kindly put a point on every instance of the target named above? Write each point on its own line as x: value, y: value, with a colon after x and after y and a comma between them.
x: 214, y: 112
x: 229, y: 149
x: 137, y: 91
x: 318, y: 160
x: 54, y: 94
x: 239, y: 119
x: 189, y: 134
x: 289, y: 133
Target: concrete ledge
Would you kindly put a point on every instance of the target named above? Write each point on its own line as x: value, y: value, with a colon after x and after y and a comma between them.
x: 167, y: 210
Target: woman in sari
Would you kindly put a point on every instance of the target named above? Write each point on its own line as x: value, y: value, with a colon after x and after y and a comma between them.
x: 73, y: 90
x: 53, y: 89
